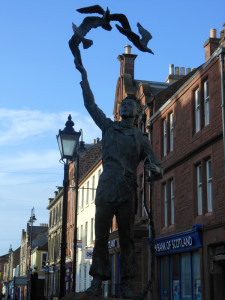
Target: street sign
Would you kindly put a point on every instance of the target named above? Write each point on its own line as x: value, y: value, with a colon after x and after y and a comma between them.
x: 79, y: 244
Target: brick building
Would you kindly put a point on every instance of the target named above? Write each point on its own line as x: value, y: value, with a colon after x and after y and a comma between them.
x: 184, y: 121
x: 52, y: 267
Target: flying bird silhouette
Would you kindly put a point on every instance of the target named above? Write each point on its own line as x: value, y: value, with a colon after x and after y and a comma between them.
x: 140, y: 43
x: 106, y: 15
x: 87, y: 24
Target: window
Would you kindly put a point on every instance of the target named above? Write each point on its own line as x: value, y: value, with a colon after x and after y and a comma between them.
x: 171, y: 132
x: 186, y: 292
x: 92, y: 231
x: 82, y: 198
x: 50, y: 219
x: 197, y: 111
x: 199, y: 189
x: 165, y: 206
x: 206, y: 102
x: 93, y: 187
x: 209, y: 185
x: 172, y: 201
x: 168, y: 202
x: 164, y: 138
x: 44, y: 259
x: 180, y: 276
x: 87, y: 194
x: 81, y: 233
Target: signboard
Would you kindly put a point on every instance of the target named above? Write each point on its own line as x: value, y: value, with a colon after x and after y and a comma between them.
x: 79, y: 243
x: 88, y: 253
x: 20, y: 280
x: 180, y: 242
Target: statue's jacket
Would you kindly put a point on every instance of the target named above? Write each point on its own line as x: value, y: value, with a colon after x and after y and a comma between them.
x: 122, y: 150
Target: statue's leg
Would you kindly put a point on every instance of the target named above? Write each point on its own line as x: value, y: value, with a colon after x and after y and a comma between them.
x: 128, y: 267
x: 100, y: 268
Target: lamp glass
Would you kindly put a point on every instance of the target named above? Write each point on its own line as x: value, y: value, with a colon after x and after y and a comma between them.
x: 67, y: 144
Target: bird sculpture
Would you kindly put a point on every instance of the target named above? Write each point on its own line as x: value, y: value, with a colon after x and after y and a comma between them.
x: 87, y: 24
x: 106, y: 15
x: 140, y: 43
x: 104, y: 22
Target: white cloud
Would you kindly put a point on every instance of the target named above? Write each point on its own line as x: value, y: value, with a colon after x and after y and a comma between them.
x: 19, y: 125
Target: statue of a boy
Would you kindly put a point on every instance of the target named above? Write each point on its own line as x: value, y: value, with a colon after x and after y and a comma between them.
x: 123, y: 147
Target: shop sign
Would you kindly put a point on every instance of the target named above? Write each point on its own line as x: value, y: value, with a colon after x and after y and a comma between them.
x: 20, y: 280
x: 184, y: 241
x: 176, y: 243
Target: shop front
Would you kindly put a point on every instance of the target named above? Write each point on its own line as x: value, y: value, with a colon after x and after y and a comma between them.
x: 178, y: 265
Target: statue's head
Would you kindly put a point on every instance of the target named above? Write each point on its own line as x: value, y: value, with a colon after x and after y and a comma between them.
x: 129, y: 107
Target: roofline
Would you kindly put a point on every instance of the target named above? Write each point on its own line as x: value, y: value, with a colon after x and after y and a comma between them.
x: 215, y: 54
x: 90, y: 172
x: 59, y: 195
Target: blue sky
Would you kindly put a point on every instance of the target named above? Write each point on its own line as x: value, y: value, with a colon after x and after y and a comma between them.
x: 39, y: 85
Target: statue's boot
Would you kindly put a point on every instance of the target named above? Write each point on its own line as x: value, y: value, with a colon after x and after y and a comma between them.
x: 96, y: 287
x: 125, y: 290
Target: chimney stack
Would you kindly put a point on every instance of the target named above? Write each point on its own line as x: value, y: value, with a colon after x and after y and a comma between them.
x: 127, y: 62
x: 211, y: 44
x: 179, y: 73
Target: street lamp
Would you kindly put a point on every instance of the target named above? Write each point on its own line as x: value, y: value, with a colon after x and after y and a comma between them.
x: 68, y: 140
x: 81, y: 148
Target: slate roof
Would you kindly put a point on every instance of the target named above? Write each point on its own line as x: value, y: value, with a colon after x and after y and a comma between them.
x: 41, y: 240
x: 16, y: 257
x: 89, y: 159
x: 155, y: 87
x: 167, y: 93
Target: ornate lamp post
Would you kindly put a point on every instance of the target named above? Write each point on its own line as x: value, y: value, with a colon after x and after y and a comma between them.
x: 68, y: 140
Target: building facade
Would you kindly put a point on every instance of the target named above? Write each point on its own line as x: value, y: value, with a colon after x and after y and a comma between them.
x: 185, y: 124
x: 189, y: 207
x: 90, y: 168
x: 52, y: 266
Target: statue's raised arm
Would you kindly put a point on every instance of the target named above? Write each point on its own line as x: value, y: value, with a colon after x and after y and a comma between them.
x: 96, y: 113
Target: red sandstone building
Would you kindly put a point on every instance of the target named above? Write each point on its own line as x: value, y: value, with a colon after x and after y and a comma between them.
x: 185, y: 125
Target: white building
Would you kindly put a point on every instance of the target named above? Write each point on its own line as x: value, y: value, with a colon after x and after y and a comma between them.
x: 89, y: 177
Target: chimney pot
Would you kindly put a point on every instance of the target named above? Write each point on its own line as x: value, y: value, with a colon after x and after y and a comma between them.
x: 213, y: 33
x: 222, y: 34
x: 188, y: 70
x: 182, y: 71
x: 177, y: 71
x: 171, y: 69
x: 128, y: 49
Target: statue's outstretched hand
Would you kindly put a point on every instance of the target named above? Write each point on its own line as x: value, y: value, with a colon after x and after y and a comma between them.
x: 74, y: 47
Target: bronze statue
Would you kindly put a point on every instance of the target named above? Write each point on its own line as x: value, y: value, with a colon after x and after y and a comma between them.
x: 124, y: 146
